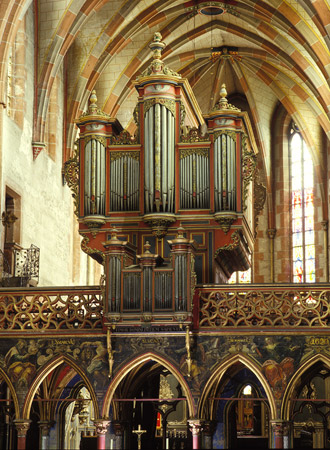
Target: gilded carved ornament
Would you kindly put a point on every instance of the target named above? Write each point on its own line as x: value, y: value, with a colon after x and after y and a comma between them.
x: 231, y: 134
x: 259, y: 197
x: 194, y: 135
x: 235, y: 237
x: 117, y: 155
x: 194, y: 151
x: 101, y: 139
x: 124, y: 138
x: 90, y: 251
x: 249, y: 163
x: 167, y: 102
x: 71, y: 175
x: 157, y: 66
x: 159, y: 224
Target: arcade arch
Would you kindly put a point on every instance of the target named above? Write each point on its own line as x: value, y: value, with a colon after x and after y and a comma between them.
x: 150, y: 394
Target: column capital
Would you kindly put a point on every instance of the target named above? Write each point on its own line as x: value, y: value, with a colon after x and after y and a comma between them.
x: 101, y: 426
x: 271, y: 233
x: 45, y: 426
x: 22, y: 426
x: 195, y: 425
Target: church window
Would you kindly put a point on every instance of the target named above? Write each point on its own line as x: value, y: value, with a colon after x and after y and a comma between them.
x: 302, y: 209
x: 240, y: 277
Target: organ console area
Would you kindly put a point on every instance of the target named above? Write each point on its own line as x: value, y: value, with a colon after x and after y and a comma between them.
x: 174, y: 200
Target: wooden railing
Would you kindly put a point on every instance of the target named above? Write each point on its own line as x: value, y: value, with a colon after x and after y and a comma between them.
x: 49, y: 309
x: 267, y: 306
x: 271, y: 307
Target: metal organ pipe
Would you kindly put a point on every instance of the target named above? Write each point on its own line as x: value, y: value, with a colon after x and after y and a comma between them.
x: 164, y: 157
x: 159, y: 149
x: 225, y: 173
x: 94, y: 184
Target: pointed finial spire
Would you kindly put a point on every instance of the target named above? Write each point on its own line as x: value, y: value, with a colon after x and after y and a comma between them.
x: 157, y: 67
x: 147, y: 247
x: 92, y: 109
x: 157, y: 46
x: 223, y: 97
x: 223, y: 102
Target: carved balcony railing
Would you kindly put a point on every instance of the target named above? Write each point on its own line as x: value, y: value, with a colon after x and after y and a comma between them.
x: 51, y: 309
x: 264, y: 306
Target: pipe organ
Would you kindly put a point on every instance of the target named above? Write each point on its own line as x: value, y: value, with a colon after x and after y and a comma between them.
x: 180, y: 201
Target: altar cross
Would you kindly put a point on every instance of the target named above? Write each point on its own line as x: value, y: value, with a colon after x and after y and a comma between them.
x: 139, y: 433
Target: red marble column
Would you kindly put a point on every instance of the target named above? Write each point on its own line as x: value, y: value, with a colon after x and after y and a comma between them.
x: 195, y: 427
x: 22, y: 427
x: 101, y: 426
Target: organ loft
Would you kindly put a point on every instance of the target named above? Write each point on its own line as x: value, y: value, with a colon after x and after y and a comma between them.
x: 173, y: 205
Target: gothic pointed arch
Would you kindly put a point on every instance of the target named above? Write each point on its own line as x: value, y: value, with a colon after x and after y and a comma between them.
x: 45, y: 371
x: 12, y: 390
x: 305, y: 369
x: 141, y: 359
x: 217, y: 376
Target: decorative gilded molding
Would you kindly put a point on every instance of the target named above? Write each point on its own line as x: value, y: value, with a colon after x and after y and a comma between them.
x: 193, y: 10
x: 101, y: 139
x: 184, y: 152
x: 90, y: 251
x: 249, y: 164
x: 159, y: 223
x: 124, y: 138
x: 235, y: 237
x: 194, y: 136
x: 182, y: 114
x: 231, y: 134
x: 225, y: 221
x: 71, y: 175
x: 259, y: 197
x: 167, y: 102
x: 131, y: 154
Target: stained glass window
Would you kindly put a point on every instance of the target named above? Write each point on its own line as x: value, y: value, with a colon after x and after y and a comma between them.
x: 240, y: 277
x: 302, y: 209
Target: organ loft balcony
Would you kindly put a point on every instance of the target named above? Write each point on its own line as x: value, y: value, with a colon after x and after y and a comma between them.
x: 171, y: 212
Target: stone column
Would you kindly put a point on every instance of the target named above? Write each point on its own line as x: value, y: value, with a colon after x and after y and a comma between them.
x: 208, y: 431
x: 101, y: 426
x: 44, y: 427
x: 119, y: 428
x: 195, y: 428
x: 280, y: 437
x: 22, y: 427
x: 271, y: 234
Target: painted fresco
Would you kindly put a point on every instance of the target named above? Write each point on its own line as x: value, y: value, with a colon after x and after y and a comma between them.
x: 21, y: 359
x: 277, y: 356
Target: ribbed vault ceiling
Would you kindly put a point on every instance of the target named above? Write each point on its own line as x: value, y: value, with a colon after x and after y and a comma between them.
x: 269, y: 51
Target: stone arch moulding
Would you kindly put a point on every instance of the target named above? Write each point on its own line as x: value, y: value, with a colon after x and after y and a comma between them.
x: 286, y: 402
x: 220, y: 371
x: 46, y: 370
x: 12, y: 391
x: 150, y: 356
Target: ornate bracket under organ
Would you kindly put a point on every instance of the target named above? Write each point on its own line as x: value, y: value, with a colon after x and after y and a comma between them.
x: 149, y: 185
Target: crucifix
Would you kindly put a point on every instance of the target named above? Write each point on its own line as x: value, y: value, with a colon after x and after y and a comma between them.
x: 139, y: 433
